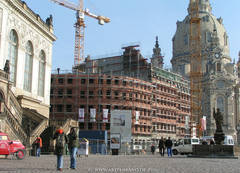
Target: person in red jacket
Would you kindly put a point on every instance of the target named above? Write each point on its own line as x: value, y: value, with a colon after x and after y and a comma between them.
x: 38, y: 143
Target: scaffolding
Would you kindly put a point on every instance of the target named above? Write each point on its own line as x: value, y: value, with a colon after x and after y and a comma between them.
x: 195, y: 67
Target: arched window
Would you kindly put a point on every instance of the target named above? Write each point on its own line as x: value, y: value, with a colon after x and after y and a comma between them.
x: 225, y: 39
x: 41, y: 74
x: 12, y: 55
x: 28, y: 67
x: 218, y: 67
x: 208, y: 37
x: 186, y: 39
x: 220, y: 104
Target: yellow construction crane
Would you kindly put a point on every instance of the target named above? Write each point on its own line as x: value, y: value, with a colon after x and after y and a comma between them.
x: 195, y: 68
x: 80, y: 25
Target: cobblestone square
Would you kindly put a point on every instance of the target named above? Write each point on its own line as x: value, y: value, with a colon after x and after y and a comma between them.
x: 123, y: 164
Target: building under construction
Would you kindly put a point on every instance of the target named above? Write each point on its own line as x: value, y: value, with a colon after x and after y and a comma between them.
x: 125, y: 82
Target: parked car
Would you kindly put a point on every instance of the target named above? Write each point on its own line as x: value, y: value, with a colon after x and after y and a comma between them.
x: 9, y: 147
x: 184, y: 146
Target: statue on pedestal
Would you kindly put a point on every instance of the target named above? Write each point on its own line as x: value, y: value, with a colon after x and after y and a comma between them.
x: 7, y: 67
x: 219, y: 135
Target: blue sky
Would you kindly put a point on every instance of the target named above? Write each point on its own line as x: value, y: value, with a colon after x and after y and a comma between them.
x: 132, y: 21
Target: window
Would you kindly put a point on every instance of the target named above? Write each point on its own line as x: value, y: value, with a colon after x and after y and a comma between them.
x: 107, y: 126
x: 108, y: 107
x: 69, y: 93
x: 90, y: 125
x: 124, y: 96
x: 100, y: 93
x: 100, y: 81
x: 218, y: 67
x: 91, y: 81
x: 208, y: 37
x: 220, y: 104
x: 51, y: 91
x: 83, y: 81
x: 60, y: 80
x: 69, y: 108
x: 109, y: 81
x: 41, y: 74
x: 51, y: 108
x: 116, y: 82
x: 116, y: 94
x: 59, y: 108
x: 82, y: 93
x: 225, y: 39
x: 28, y: 67
x: 60, y: 92
x: 12, y: 55
x: 91, y: 94
x: 124, y: 83
x: 70, y: 80
x: 81, y: 125
x: 108, y: 93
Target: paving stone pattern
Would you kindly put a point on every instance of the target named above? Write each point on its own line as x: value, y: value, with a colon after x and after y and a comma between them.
x: 123, y: 164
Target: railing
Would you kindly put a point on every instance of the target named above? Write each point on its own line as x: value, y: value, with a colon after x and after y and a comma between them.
x: 38, y: 130
x: 16, y: 126
x: 4, y: 75
x: 69, y: 123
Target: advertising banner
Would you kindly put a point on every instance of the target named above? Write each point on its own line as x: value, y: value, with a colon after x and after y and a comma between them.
x: 81, y: 115
x: 83, y: 147
x: 105, y: 115
x: 121, y: 123
x: 115, y: 141
x: 92, y: 115
x: 137, y: 117
x: 203, y: 123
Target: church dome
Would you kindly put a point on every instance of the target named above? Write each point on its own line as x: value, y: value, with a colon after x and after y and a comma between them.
x: 209, y: 24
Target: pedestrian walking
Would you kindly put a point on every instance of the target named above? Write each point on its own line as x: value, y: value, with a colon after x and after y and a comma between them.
x: 38, y: 144
x: 72, y: 142
x: 161, y: 146
x: 153, y: 149
x: 59, y: 147
x: 169, y: 144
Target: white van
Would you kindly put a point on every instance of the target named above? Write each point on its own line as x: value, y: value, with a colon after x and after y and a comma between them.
x: 184, y: 146
x: 228, y: 140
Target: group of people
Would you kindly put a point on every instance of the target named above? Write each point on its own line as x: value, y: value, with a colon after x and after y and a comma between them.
x: 162, y: 145
x: 61, y: 140
x: 72, y: 141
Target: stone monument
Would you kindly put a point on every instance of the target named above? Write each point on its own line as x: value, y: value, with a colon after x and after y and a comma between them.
x: 218, y: 135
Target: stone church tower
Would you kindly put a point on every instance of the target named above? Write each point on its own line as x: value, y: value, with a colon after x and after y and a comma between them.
x: 157, y: 58
x: 220, y: 78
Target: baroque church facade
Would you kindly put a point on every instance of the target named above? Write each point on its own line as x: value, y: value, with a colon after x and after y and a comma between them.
x: 220, y: 80
x: 25, y: 70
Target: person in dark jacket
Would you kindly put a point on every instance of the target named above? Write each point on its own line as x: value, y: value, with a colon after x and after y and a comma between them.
x: 153, y: 149
x: 59, y: 147
x: 169, y: 145
x: 72, y: 141
x: 161, y: 146
x: 38, y: 143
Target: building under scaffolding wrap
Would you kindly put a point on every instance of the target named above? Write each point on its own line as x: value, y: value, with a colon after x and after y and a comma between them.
x: 126, y: 82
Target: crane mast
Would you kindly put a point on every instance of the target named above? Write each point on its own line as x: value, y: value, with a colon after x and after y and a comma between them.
x: 79, y: 35
x: 195, y: 68
x: 80, y: 26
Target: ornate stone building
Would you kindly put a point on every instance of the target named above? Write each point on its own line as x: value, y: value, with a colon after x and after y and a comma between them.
x: 219, y: 73
x: 26, y: 42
